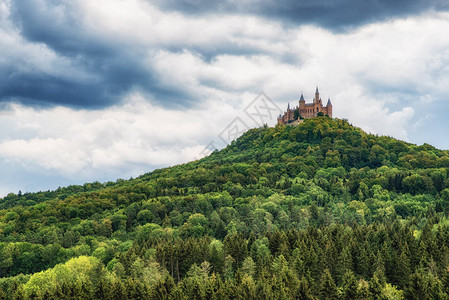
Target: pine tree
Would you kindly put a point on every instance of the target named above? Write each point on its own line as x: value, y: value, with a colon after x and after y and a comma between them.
x: 445, y: 279
x: 163, y: 288
x: 328, y: 288
x: 379, y: 269
x: 304, y: 291
x: 364, y: 264
x: 247, y: 288
x: 350, y: 286
x: 228, y: 268
x: 235, y: 245
x: 402, y: 270
x: 418, y: 287
x: 248, y: 266
x: 375, y: 287
x: 363, y: 290
x: 422, y: 285
x: 344, y: 264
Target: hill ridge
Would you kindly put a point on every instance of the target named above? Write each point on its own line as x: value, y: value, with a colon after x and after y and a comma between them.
x: 311, y: 132
x: 321, y: 209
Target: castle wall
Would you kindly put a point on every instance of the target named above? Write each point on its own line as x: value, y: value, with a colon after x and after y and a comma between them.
x: 311, y: 110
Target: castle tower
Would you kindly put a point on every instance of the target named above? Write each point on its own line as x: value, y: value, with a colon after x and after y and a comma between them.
x: 302, y: 102
x: 289, y: 114
x: 329, y: 107
x: 317, y: 96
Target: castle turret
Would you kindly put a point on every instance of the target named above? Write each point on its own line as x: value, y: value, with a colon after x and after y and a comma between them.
x: 329, y: 107
x: 302, y: 102
x: 317, y: 96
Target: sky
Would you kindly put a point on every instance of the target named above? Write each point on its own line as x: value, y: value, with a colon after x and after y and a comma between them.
x: 107, y: 89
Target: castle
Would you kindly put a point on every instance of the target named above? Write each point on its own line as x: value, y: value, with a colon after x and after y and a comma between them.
x: 295, y: 115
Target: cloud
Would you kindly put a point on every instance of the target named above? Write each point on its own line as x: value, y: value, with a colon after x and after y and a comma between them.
x: 96, y: 50
x: 129, y: 139
x: 94, y: 54
x: 75, y: 66
x: 42, y: 148
x: 115, y: 88
x: 334, y: 15
x: 73, y: 141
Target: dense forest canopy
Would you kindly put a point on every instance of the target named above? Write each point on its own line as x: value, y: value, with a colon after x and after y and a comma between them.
x: 322, y: 210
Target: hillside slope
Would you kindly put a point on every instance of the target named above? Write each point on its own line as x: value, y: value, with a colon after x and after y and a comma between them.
x: 322, y: 210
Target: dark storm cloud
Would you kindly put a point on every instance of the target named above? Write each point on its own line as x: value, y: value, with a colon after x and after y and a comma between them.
x: 333, y: 14
x: 114, y: 81
x: 113, y: 70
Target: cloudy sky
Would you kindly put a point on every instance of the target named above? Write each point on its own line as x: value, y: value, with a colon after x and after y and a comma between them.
x: 107, y: 89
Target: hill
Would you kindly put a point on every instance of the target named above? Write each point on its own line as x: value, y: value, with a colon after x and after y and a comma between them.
x: 320, y: 210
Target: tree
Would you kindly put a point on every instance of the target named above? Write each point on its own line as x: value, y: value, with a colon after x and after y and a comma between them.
x: 296, y: 114
x: 235, y: 246
x: 375, y: 287
x: 422, y: 285
x: 248, y: 266
x: 228, y: 268
x: 350, y: 286
x: 328, y: 288
x: 304, y: 291
x: 216, y: 255
x: 247, y: 288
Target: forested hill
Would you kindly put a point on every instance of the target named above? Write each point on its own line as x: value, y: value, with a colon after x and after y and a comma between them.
x: 321, y: 210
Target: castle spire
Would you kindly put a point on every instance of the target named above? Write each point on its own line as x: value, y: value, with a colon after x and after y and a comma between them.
x: 302, y: 97
x: 317, y: 96
x: 316, y: 92
x: 288, y: 106
x: 329, y: 102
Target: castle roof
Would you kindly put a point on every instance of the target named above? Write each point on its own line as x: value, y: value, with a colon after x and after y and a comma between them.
x: 316, y: 90
x: 302, y: 98
x: 329, y: 102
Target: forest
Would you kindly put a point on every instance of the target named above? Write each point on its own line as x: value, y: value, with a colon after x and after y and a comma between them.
x: 322, y: 210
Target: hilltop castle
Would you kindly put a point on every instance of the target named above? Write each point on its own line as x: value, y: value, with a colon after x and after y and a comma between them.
x: 294, y: 115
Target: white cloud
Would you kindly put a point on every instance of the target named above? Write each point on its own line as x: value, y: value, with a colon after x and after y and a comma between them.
x: 84, y: 143
x: 367, y: 73
x: 138, y: 22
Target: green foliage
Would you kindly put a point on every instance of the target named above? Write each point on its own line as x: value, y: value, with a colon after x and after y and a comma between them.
x: 317, y: 211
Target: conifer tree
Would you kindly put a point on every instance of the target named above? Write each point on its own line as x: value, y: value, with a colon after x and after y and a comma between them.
x: 402, y: 270
x: 163, y: 288
x: 249, y: 267
x: 349, y: 286
x: 247, y: 288
x: 375, y: 287
x: 304, y: 291
x: 328, y: 288
x: 228, y: 268
x: 344, y: 264
x: 379, y: 269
